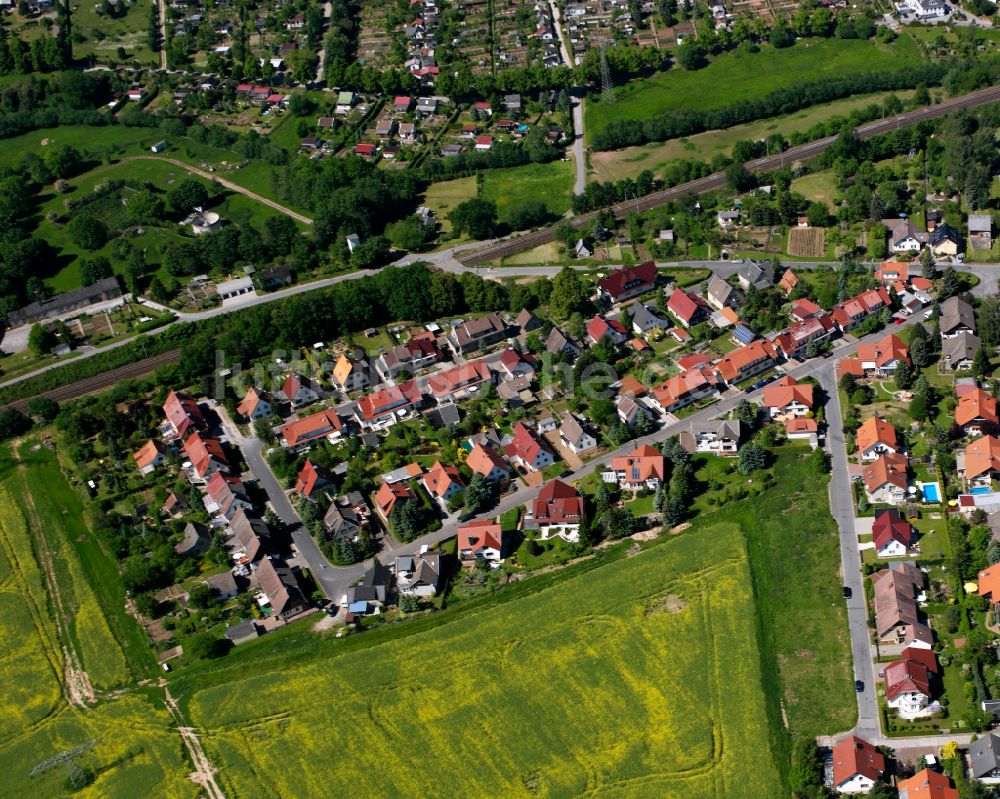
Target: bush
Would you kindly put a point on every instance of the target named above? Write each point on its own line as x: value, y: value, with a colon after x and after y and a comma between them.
x: 87, y: 232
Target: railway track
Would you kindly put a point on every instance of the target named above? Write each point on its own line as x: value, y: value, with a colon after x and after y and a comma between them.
x: 104, y: 380
x: 718, y: 179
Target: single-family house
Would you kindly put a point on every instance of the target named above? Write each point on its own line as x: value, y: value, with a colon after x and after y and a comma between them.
x: 574, y: 436
x: 904, y: 236
x: 557, y: 511
x: 475, y: 334
x: 945, y: 241
x: 310, y: 479
x: 251, y: 535
x: 885, y: 479
x: 723, y: 294
x: 302, y: 432
x: 800, y: 429
x: 687, y: 307
x: 984, y: 758
x: 298, y: 391
x: 897, y: 621
x: 480, y: 539
x: 527, y: 450
x: 891, y: 533
x: 443, y: 482
x: 876, y: 437
x: 715, y: 437
x: 419, y: 575
x: 151, y: 455
x: 222, y: 586
x: 804, y: 308
x: 347, y: 516
x: 956, y: 317
x: 879, y: 359
x: 644, y: 467
x: 488, y: 462
x: 402, y: 104
x: 372, y: 591
x: 384, y: 407
x: 345, y: 102
x: 195, y: 540
x: 788, y: 282
x: 599, y: 327
x: 979, y: 463
x: 558, y: 343
x: 728, y: 220
x: 627, y: 282
x: 254, y: 405
x: 225, y: 495
x: 857, y: 765
x: 645, y: 318
x: 183, y: 415
x: 758, y: 275
x: 418, y: 353
x: 787, y: 398
x: 976, y: 408
x: 908, y: 684
x: 526, y: 321
x: 205, y: 454
x: 390, y: 495
x: 927, y: 784
x: 282, y: 590
x: 959, y: 351
x: 584, y: 248
x: 350, y: 374
x: 890, y: 272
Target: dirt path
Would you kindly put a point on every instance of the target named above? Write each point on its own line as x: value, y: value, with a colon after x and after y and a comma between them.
x: 162, y: 5
x: 223, y: 182
x: 204, y: 771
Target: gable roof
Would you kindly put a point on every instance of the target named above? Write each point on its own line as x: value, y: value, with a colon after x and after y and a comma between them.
x: 483, y: 460
x: 927, y: 784
x: 956, y: 313
x: 471, y: 373
x: 345, y: 366
x: 854, y: 756
x: 889, y: 469
x: 248, y: 405
x: 182, y: 412
x: 895, y: 596
x: 788, y: 281
x: 989, y: 583
x: 975, y: 404
x: 906, y: 676
x: 885, y: 350
x: 479, y: 535
x: 440, y: 478
x: 628, y: 278
x: 787, y: 390
x: 685, y: 305
x: 148, y: 453
x: 525, y: 444
x: 202, y: 451
x: 889, y: 525
x: 311, y: 428
x: 981, y: 456
x: 308, y: 478
x: 961, y: 347
x: 984, y: 754
x: 641, y: 464
x: 388, y: 400
x: 558, y: 503
x: 876, y: 431
x: 280, y: 586
x: 733, y: 364
x: 388, y: 495
x: 804, y: 308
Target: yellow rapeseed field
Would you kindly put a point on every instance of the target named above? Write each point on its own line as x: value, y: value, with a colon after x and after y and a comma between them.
x: 640, y: 678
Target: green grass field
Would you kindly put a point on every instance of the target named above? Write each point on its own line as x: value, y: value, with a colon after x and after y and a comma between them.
x: 629, y: 162
x: 736, y: 76
x: 583, y: 690
x: 551, y: 183
x: 138, y: 753
x: 818, y: 187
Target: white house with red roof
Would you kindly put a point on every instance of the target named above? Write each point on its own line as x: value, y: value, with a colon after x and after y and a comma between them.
x: 151, y: 455
x: 206, y: 455
x: 298, y: 391
x: 805, y: 308
x: 644, y: 467
x: 254, y: 405
x: 515, y: 364
x: 599, y: 327
x: 388, y: 496
x: 891, y: 533
x: 302, y: 432
x: 225, y: 496
x: 183, y: 415
x: 480, y: 539
x: 309, y: 480
x: 488, y: 462
x: 908, y: 683
x: 527, y: 450
x: 787, y: 398
x: 880, y: 359
x: 746, y: 362
x: 852, y: 312
x: 857, y: 765
x: 443, y: 482
x: 627, y: 282
x: 681, y: 390
x: 384, y: 408
x: 687, y: 307
x: 556, y: 512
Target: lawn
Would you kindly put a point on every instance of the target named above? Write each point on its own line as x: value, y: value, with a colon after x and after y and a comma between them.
x: 629, y: 162
x: 551, y: 183
x: 104, y: 35
x: 818, y: 187
x: 639, y: 678
x: 137, y: 752
x: 739, y: 76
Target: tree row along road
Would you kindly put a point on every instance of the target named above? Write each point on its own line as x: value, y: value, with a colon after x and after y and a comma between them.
x: 718, y: 179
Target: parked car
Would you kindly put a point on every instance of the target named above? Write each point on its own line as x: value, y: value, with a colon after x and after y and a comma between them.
x: 847, y: 592
x: 859, y: 686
